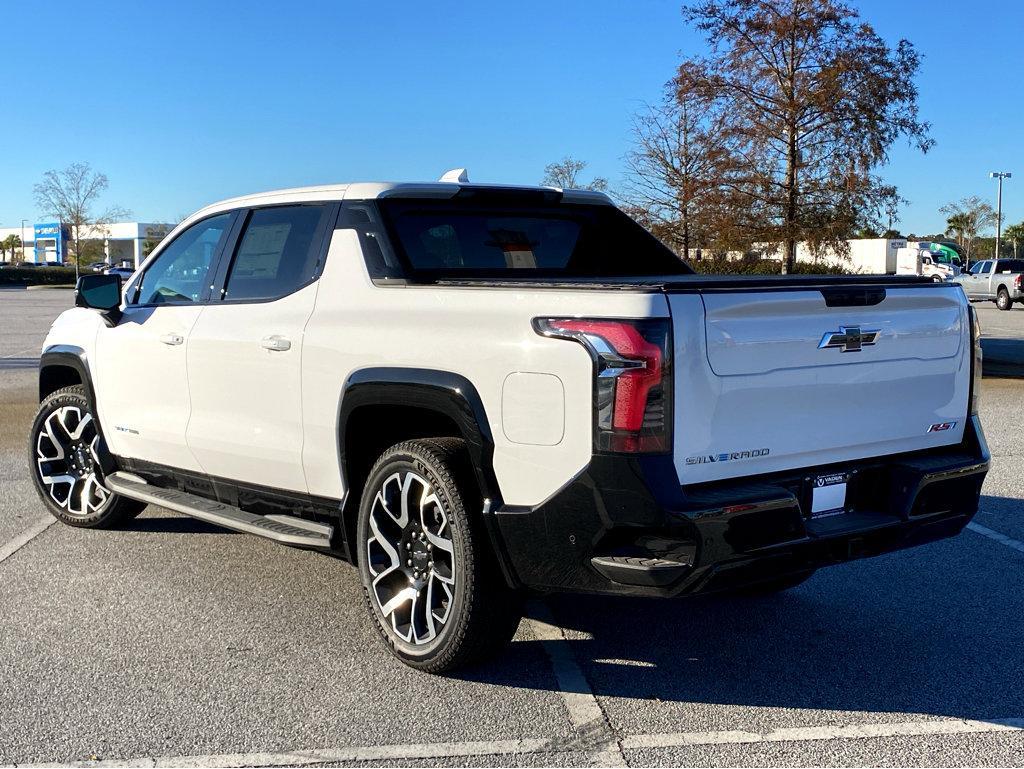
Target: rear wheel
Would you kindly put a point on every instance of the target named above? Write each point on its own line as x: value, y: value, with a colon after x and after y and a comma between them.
x: 67, y: 458
x: 432, y: 585
x: 1003, y: 301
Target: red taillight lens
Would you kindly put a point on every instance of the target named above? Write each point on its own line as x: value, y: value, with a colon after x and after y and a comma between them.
x: 1017, y: 282
x: 632, y: 390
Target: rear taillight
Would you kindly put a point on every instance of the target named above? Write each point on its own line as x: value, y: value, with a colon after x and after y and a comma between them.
x: 972, y: 314
x: 1017, y: 282
x: 632, y: 386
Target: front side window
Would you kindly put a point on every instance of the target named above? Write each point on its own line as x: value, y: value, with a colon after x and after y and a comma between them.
x: 277, y: 253
x: 180, y: 273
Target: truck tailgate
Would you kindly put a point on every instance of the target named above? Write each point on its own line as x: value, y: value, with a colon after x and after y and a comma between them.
x: 770, y: 380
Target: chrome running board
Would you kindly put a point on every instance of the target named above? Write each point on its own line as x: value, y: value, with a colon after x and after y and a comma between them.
x: 286, y: 529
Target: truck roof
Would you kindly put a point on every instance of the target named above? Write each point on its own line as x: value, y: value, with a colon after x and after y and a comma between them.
x: 374, y: 190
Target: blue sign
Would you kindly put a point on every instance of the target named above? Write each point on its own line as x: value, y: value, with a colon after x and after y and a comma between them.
x: 50, y: 239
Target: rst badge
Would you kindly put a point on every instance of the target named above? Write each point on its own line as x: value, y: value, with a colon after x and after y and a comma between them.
x: 941, y: 427
x: 849, y: 338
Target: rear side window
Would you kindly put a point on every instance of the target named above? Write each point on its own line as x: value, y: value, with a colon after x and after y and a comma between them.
x: 1010, y: 265
x: 277, y: 253
x: 986, y: 267
x: 463, y: 239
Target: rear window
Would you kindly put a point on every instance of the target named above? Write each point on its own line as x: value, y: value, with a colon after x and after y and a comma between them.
x: 457, y: 239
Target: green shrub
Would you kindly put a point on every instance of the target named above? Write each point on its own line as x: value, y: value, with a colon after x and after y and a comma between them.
x: 37, y: 276
x: 761, y: 267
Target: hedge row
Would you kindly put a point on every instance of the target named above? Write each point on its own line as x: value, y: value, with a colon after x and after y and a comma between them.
x: 37, y: 276
x: 761, y: 267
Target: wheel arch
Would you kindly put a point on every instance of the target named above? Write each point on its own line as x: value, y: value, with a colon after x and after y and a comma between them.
x: 403, y: 403
x: 64, y: 366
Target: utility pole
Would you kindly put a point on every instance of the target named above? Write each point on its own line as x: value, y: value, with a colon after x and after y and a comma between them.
x: 1000, y: 175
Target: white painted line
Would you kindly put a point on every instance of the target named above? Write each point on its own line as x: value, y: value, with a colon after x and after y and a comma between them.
x: 339, y: 755
x: 817, y: 733
x: 33, y: 531
x: 1002, y: 539
x: 584, y: 711
x: 438, y: 750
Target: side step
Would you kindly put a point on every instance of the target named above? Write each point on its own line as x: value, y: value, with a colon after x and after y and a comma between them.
x: 281, y: 528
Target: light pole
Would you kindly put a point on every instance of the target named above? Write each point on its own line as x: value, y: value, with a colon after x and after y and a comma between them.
x: 1000, y: 175
x: 23, y: 239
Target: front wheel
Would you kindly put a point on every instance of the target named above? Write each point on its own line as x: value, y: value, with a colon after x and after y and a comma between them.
x: 432, y: 585
x: 67, y: 459
x: 1003, y: 301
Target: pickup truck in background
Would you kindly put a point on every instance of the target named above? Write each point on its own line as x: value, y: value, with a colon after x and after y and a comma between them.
x: 475, y: 391
x: 998, y: 280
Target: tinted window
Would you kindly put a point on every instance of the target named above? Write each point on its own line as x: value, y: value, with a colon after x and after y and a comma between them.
x: 1010, y: 265
x: 180, y: 273
x: 986, y: 267
x: 467, y: 238
x: 277, y: 252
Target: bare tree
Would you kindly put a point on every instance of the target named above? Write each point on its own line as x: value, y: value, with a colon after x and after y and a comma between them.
x: 815, y: 99
x: 674, y: 168
x: 565, y: 174
x: 966, y: 219
x: 70, y: 196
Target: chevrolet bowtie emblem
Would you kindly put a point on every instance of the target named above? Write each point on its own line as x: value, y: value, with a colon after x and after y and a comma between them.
x: 848, y: 338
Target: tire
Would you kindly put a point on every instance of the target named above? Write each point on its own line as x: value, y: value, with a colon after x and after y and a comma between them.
x: 936, y: 279
x: 67, y: 459
x: 772, y: 586
x: 431, y: 582
x: 1003, y: 301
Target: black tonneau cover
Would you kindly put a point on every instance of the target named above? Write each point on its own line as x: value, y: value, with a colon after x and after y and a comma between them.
x: 702, y: 283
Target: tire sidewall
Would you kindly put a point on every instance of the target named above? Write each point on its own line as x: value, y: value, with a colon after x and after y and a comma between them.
x: 1003, y: 301
x: 400, y: 460
x: 71, y: 396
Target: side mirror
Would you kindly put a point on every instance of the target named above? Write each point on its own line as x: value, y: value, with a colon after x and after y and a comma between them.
x: 100, y: 292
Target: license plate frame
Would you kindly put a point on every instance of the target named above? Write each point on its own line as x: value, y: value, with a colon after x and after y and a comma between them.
x: 829, y: 494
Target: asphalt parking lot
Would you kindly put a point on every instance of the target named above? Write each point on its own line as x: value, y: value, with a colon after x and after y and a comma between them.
x: 173, y: 642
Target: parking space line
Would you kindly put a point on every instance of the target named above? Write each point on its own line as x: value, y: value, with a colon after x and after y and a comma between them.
x: 818, y: 733
x: 437, y: 750
x: 33, y: 531
x: 585, y: 713
x: 1002, y: 539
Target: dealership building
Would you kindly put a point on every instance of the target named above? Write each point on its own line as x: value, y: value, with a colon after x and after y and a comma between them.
x: 48, y: 241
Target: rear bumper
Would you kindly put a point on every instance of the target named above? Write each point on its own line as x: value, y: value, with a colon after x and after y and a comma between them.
x: 626, y: 527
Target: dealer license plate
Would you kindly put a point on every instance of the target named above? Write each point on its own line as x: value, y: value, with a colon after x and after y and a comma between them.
x: 828, y: 494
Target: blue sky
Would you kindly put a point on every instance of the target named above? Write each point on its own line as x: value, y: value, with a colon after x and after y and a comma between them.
x: 190, y: 102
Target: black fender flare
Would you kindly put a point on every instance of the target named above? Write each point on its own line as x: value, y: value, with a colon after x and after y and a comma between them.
x: 66, y: 356
x: 447, y: 393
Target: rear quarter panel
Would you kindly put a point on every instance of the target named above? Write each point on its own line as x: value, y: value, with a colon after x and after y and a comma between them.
x: 483, y: 334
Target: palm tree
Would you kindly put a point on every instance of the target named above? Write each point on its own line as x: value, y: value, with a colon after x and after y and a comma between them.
x: 1015, y: 234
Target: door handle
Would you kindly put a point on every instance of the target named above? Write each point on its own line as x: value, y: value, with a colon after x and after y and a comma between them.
x: 172, y: 339
x: 276, y: 343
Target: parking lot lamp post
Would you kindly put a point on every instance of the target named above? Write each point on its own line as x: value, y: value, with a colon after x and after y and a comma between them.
x: 1000, y: 175
x: 22, y: 240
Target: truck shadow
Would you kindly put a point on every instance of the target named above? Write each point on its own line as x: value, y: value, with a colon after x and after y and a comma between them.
x: 930, y: 631
x: 1002, y: 357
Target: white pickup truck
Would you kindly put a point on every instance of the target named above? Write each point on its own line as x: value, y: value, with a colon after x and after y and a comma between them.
x: 476, y: 391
